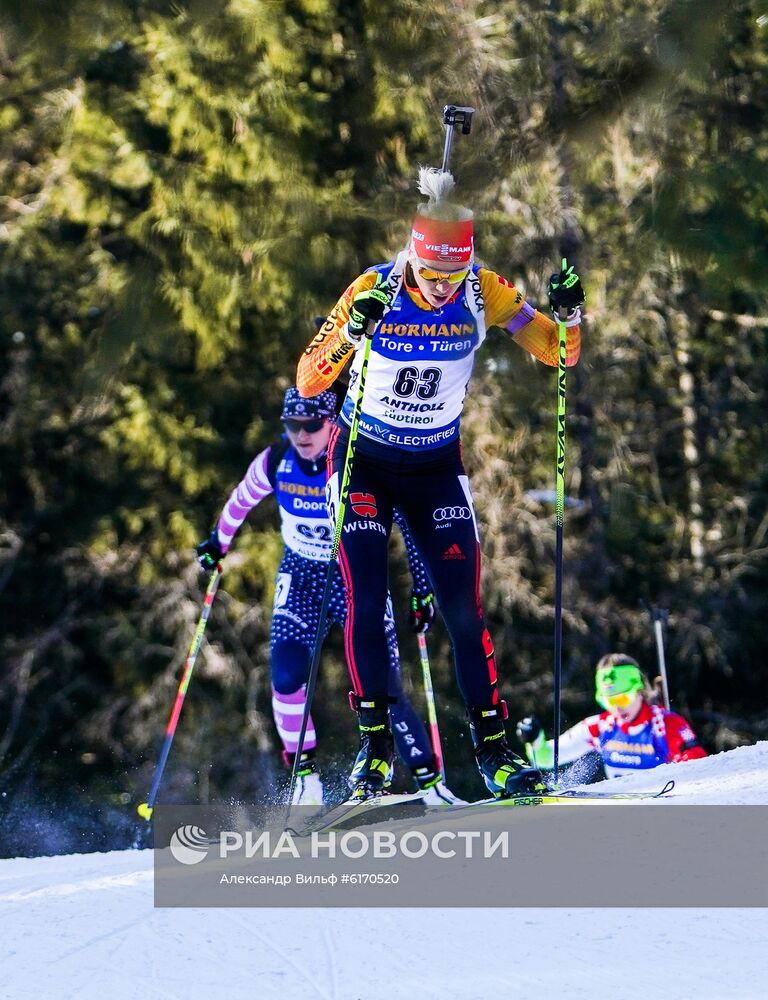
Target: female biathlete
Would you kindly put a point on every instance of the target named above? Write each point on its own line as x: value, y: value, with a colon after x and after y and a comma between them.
x: 630, y: 734
x: 427, y: 312
x: 294, y: 469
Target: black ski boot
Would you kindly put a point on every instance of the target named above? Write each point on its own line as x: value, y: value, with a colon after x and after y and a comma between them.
x: 372, y: 772
x: 503, y: 772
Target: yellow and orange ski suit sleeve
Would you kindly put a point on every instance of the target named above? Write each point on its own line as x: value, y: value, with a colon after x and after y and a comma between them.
x: 329, y: 351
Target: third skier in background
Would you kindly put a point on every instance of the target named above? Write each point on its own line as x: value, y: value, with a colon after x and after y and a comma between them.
x: 630, y: 734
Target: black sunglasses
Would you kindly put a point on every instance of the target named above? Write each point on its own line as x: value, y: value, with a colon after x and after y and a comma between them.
x: 310, y: 426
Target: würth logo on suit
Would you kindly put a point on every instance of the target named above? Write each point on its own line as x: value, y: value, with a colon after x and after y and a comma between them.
x: 363, y: 504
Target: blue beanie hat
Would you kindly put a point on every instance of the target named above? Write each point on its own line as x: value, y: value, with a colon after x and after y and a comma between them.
x: 295, y: 405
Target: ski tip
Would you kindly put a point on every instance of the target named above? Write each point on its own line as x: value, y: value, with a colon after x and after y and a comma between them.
x: 145, y: 811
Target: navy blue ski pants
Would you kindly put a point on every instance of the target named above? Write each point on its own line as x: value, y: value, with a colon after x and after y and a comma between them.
x: 295, y: 621
x: 431, y: 490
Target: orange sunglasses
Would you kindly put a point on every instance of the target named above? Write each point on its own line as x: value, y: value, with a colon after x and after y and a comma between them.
x: 622, y: 700
x: 453, y: 277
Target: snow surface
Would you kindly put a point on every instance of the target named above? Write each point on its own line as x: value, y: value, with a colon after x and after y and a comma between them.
x: 83, y: 926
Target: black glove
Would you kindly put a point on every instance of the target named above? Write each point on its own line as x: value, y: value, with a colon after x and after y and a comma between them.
x: 422, y: 612
x: 528, y: 729
x: 209, y: 552
x: 368, y: 307
x: 565, y: 290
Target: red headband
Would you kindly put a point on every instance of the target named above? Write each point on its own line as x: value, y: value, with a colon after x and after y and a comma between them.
x: 442, y: 242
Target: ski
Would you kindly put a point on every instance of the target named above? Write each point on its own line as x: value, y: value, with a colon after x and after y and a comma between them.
x: 349, y: 810
x: 615, y: 796
x: 564, y: 797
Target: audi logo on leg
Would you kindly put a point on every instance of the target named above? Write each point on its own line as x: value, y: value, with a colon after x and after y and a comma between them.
x: 452, y: 514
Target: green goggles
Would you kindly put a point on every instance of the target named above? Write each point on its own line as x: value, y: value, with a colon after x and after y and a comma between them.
x: 617, y: 686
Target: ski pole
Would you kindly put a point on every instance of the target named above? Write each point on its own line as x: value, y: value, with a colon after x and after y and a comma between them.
x: 346, y: 478
x: 434, y: 729
x: 559, y: 518
x: 660, y: 618
x: 145, y: 809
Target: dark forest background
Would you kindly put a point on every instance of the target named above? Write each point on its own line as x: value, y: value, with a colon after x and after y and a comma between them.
x: 184, y: 185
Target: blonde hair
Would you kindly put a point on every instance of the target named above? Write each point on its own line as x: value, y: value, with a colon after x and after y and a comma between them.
x: 616, y: 660
x: 437, y: 186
